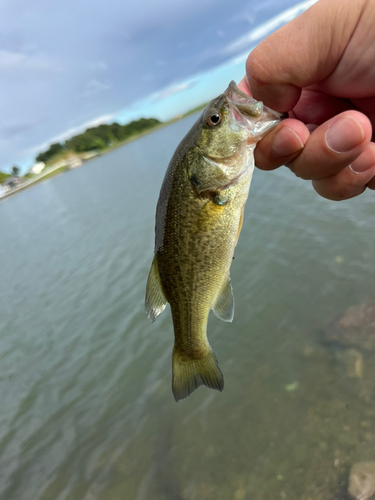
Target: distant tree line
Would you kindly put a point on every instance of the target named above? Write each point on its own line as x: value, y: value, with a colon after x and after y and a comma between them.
x: 99, y: 138
x: 95, y: 138
x: 53, y: 150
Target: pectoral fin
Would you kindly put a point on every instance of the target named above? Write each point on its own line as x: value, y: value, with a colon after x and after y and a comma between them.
x: 224, y: 307
x: 155, y: 299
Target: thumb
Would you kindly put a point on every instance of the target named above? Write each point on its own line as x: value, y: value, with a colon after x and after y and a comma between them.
x: 301, y: 53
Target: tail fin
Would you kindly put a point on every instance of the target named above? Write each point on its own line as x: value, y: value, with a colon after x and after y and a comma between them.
x: 188, y: 375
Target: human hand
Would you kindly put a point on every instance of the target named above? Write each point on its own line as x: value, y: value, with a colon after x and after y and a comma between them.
x: 320, y: 68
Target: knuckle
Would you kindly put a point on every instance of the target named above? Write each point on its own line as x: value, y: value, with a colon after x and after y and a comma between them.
x: 256, y: 69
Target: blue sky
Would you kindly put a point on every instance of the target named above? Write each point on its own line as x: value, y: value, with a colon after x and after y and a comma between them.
x: 68, y: 65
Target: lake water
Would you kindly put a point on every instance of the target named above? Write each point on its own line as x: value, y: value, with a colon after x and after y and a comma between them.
x: 86, y: 408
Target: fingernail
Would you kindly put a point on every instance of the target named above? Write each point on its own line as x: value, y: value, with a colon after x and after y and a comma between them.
x: 286, y: 142
x: 344, y: 134
x: 359, y: 168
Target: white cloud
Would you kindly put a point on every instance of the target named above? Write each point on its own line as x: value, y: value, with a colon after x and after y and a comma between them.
x: 172, y: 89
x: 98, y: 121
x: 18, y: 61
x: 69, y: 133
x: 94, y: 87
x: 265, y: 29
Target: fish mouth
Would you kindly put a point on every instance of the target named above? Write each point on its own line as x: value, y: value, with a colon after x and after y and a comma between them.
x: 250, y: 114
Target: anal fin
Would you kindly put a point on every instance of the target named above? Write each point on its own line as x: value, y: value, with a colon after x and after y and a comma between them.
x: 155, y: 302
x: 224, y: 307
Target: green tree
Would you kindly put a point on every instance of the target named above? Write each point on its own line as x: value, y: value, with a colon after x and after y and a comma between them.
x: 53, y: 150
x: 15, y: 171
x: 99, y: 138
x: 86, y: 142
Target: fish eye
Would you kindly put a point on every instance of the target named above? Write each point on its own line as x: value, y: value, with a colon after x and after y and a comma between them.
x: 214, y: 119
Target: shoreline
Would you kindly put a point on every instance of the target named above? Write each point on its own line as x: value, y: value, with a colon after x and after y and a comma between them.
x: 36, y: 180
x: 61, y: 170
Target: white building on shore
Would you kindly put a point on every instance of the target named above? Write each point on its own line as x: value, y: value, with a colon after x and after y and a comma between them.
x: 37, y: 168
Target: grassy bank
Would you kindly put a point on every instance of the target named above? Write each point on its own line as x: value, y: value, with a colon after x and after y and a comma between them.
x: 53, y: 173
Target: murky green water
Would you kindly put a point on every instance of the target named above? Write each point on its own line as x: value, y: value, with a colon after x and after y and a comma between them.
x: 86, y: 409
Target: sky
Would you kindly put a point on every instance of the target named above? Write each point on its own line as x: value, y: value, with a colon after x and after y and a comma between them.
x: 65, y: 66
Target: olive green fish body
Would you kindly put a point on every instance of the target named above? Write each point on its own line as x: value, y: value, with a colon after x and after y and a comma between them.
x: 198, y: 220
x: 195, y: 254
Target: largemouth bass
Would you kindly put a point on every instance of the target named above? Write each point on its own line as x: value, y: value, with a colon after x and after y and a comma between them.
x: 198, y: 221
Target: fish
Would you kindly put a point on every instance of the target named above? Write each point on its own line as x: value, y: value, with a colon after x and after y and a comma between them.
x: 199, y: 218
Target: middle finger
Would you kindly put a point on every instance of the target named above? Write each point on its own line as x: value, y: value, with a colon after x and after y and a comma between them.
x: 332, y: 146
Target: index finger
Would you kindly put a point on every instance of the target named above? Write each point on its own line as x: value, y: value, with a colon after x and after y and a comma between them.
x: 301, y: 53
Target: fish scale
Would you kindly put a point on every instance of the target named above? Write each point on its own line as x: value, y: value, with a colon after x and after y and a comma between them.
x: 198, y: 221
